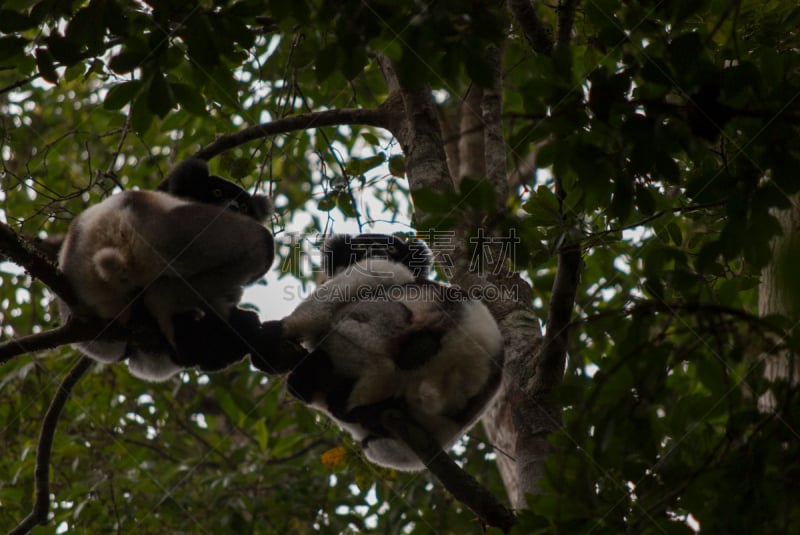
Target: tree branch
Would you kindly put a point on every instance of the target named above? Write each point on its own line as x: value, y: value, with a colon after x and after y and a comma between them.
x: 550, y: 366
x: 566, y: 19
x: 460, y: 484
x: 494, y: 140
x: 72, y: 331
x: 470, y: 143
x: 41, y: 505
x: 534, y: 30
x: 416, y: 127
x: 36, y: 259
x: 26, y: 254
x: 517, y: 421
x: 370, y: 117
x: 18, y: 84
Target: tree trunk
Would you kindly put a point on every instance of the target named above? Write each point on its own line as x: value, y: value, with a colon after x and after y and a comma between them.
x: 779, y: 293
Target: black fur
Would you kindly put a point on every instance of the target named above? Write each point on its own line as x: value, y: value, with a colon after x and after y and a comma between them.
x: 406, y: 343
x: 342, y: 251
x: 191, y: 179
x: 209, y: 255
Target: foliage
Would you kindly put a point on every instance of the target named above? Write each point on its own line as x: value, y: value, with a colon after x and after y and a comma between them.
x: 671, y: 128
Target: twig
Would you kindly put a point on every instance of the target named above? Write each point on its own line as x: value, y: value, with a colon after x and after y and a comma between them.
x: 460, y: 484
x: 72, y: 331
x: 41, y: 505
x: 18, y: 84
x: 292, y: 456
x: 660, y: 213
x: 645, y: 307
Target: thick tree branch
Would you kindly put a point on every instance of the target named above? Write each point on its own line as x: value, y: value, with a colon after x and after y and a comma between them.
x: 416, y: 127
x: 494, y: 140
x: 470, y: 143
x: 41, y: 505
x: 534, y: 30
x: 36, y: 259
x: 566, y: 19
x: 451, y: 142
x: 460, y: 484
x: 370, y: 117
x: 25, y: 253
x: 519, y: 421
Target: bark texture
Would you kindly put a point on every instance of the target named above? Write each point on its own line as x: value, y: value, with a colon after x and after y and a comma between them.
x: 778, y: 293
x: 523, y: 415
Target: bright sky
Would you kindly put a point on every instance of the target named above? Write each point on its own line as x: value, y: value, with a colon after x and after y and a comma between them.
x: 279, y: 297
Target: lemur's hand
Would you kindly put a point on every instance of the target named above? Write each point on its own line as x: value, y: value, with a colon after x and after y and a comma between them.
x: 273, y: 353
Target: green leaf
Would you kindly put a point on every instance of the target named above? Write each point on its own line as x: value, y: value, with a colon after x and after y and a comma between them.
x: 359, y: 166
x: 345, y: 204
x: 44, y: 62
x: 63, y: 50
x: 127, y: 60
x: 327, y: 203
x: 115, y: 18
x: 121, y: 94
x: 644, y: 200
x: 371, y: 139
x: 197, y: 33
x: 543, y: 207
x: 11, y: 46
x: 675, y: 233
x: 74, y: 72
x: 87, y: 27
x: 241, y: 167
x: 160, y: 99
x: 327, y: 62
x: 141, y: 116
x: 622, y: 200
x: 262, y: 435
x: 431, y: 201
x: 478, y: 194
x: 189, y: 98
x: 353, y: 63
x: 397, y: 166
x: 12, y: 21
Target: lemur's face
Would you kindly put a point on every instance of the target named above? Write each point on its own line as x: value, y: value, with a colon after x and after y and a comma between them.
x: 217, y: 190
x: 342, y: 251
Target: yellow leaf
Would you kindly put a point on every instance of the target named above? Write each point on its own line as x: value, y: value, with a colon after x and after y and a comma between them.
x: 334, y: 457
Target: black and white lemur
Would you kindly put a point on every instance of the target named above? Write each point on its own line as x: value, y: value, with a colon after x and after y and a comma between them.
x: 179, y: 258
x: 383, y: 335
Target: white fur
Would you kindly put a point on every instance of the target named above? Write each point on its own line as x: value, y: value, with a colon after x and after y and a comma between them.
x: 152, y: 367
x: 313, y: 317
x: 121, y: 258
x: 134, y: 244
x: 360, y: 348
